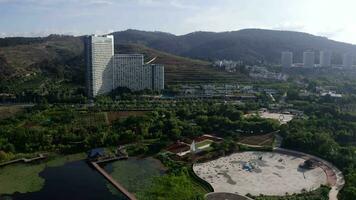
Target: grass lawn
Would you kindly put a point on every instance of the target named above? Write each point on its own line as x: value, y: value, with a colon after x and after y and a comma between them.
x: 91, y: 119
x: 177, y: 187
x: 25, y: 178
x: 261, y: 140
x: 203, y: 143
x: 9, y: 111
x: 136, y: 175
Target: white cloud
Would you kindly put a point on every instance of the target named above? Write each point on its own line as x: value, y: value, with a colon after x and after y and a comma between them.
x: 331, y: 18
x: 290, y: 26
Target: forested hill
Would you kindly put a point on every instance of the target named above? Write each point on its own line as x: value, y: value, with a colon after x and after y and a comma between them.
x: 62, y: 56
x: 36, y: 63
x: 248, y: 45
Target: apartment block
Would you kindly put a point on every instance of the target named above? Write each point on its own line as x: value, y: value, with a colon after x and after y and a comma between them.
x: 106, y: 71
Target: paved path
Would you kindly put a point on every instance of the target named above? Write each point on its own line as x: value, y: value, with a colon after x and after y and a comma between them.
x: 113, y: 182
x: 25, y: 160
x: 335, y: 176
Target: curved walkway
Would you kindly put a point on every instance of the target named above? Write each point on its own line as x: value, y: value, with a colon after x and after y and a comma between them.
x: 225, y: 195
x: 335, y: 176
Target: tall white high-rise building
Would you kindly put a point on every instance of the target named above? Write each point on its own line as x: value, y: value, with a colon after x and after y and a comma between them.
x: 287, y: 59
x: 347, y: 60
x: 309, y: 59
x: 325, y: 59
x: 99, y: 51
x: 107, y: 71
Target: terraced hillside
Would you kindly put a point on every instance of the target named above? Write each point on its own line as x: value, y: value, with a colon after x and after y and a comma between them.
x: 19, y: 60
x: 181, y: 69
x: 61, y: 58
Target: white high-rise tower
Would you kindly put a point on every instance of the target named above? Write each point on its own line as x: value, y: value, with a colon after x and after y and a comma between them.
x: 287, y: 59
x: 347, y: 60
x: 309, y: 59
x: 106, y: 71
x: 325, y: 59
x: 99, y: 52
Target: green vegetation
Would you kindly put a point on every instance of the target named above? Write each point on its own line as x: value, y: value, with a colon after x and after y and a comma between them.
x: 69, y: 130
x: 136, y: 174
x: 319, y: 194
x: 9, y: 111
x: 21, y: 178
x: 330, y: 134
x: 178, y: 187
x: 204, y: 143
x: 176, y: 184
x: 65, y: 129
x: 25, y: 178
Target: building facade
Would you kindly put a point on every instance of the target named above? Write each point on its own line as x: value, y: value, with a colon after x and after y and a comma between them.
x: 127, y: 68
x: 309, y: 59
x: 106, y: 71
x: 347, y: 60
x: 99, y: 51
x: 157, y: 77
x: 325, y: 59
x: 131, y: 72
x: 287, y: 59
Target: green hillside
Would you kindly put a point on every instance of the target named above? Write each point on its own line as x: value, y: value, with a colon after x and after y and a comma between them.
x: 55, y: 66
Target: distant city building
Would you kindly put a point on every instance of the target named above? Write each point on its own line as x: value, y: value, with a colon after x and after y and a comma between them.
x: 99, y: 51
x: 325, y: 59
x: 287, y: 59
x: 263, y: 73
x: 157, y: 76
x: 107, y: 71
x: 347, y: 60
x: 227, y: 65
x: 309, y: 59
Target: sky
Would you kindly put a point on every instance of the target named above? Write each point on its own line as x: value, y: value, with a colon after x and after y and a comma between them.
x: 335, y: 19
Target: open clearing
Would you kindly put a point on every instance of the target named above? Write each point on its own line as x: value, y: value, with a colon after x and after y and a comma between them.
x: 9, y: 111
x: 260, y: 140
x: 282, y: 118
x: 256, y: 173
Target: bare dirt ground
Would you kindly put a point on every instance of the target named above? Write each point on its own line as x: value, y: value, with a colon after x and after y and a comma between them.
x: 270, y: 174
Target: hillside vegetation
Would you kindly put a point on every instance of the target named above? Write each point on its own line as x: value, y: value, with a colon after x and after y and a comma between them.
x: 181, y: 69
x: 249, y: 45
x: 58, y: 62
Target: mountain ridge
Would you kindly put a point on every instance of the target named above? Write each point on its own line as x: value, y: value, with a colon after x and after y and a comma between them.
x: 248, y: 45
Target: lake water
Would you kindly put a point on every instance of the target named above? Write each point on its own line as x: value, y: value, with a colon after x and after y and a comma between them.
x: 79, y: 181
x: 72, y: 181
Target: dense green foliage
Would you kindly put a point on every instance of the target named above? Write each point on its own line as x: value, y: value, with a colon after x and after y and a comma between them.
x: 319, y: 194
x: 67, y: 129
x: 179, y: 187
x: 176, y: 184
x: 329, y: 134
x: 136, y: 175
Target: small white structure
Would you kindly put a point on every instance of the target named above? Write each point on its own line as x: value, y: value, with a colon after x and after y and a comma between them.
x: 193, y: 147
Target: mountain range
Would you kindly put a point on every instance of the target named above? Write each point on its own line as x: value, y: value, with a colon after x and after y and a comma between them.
x: 249, y: 45
x: 186, y: 57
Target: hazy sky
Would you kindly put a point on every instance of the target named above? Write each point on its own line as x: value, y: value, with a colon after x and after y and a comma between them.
x: 335, y: 19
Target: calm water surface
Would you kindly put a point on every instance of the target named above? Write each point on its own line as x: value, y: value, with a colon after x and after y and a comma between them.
x: 72, y: 181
